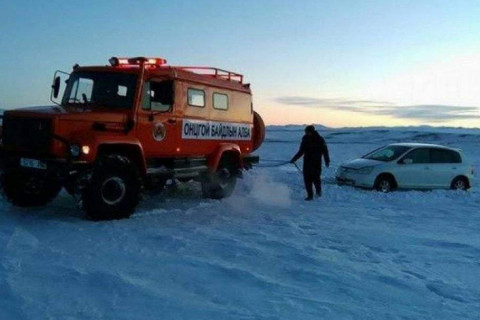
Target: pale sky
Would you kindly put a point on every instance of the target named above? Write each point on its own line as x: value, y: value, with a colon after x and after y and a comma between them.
x: 337, y: 63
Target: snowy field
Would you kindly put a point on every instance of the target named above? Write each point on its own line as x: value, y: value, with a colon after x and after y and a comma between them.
x: 262, y: 254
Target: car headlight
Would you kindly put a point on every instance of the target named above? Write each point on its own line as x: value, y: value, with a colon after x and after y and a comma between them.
x: 365, y: 170
x: 74, y: 150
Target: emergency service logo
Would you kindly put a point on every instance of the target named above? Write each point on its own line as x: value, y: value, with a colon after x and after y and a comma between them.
x: 159, y: 132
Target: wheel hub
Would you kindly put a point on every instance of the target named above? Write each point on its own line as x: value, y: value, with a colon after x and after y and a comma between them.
x: 460, y: 185
x: 385, y: 186
x: 113, y: 190
x: 224, y: 178
x: 33, y: 186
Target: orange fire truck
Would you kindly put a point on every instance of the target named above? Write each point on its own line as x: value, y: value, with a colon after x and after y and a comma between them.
x: 130, y: 125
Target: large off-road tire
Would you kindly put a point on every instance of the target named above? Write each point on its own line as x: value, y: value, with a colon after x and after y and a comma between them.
x: 113, y: 191
x: 218, y: 185
x: 27, y: 189
x: 460, y: 183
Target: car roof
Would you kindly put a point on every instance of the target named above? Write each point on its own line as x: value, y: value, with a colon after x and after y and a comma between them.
x: 423, y: 145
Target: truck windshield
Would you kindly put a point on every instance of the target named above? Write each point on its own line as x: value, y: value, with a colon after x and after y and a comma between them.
x: 112, y: 90
x: 387, y: 153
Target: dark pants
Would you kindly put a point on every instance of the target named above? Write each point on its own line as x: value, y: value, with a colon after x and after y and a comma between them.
x: 312, y: 179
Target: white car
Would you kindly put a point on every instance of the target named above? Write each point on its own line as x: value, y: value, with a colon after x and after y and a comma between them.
x: 408, y: 166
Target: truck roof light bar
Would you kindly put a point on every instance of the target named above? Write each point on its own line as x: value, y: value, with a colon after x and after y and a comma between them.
x: 116, y: 62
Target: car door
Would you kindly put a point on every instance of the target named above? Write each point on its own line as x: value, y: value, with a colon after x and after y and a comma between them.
x: 157, y: 125
x: 445, y: 166
x: 413, y: 170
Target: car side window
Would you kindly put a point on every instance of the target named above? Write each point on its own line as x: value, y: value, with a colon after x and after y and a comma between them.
x: 158, y: 96
x: 419, y: 156
x: 445, y: 156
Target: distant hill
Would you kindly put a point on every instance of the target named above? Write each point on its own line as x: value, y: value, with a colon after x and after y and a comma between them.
x: 295, y: 127
x: 421, y: 128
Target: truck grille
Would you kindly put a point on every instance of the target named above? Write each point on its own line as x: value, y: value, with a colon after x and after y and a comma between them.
x: 31, y: 134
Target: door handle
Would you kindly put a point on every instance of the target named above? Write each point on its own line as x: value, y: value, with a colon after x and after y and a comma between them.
x: 172, y: 121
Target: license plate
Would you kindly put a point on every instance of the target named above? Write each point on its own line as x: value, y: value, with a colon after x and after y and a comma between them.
x: 32, y: 163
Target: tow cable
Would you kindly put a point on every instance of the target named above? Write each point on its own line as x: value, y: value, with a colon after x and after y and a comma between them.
x: 278, y: 163
x: 274, y: 163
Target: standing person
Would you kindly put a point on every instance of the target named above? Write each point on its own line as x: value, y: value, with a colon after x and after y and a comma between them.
x: 313, y: 147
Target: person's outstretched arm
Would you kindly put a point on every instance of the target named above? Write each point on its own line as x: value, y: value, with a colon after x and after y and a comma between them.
x: 299, y: 153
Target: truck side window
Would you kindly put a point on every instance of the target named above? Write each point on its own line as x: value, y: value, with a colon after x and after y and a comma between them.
x: 158, y: 96
x: 196, y: 97
x: 82, y: 89
x: 220, y: 101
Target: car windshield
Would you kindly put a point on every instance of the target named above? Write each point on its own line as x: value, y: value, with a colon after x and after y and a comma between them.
x: 111, y: 90
x: 387, y: 153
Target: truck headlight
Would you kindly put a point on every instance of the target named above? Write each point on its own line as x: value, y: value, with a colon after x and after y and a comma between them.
x: 74, y: 150
x: 365, y: 170
x: 85, y: 150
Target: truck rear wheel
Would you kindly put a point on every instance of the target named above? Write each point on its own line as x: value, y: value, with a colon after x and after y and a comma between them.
x: 114, y: 189
x: 220, y: 184
x: 26, y: 189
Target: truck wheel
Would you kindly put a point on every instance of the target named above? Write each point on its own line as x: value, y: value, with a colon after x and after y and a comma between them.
x: 25, y: 189
x: 114, y: 189
x: 218, y: 185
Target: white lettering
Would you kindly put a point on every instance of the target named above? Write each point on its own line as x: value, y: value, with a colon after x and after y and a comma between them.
x: 213, y: 130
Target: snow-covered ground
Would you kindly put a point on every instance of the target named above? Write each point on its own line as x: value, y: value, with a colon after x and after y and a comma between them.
x: 264, y: 253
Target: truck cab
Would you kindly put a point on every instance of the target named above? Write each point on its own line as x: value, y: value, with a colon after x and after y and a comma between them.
x: 131, y: 125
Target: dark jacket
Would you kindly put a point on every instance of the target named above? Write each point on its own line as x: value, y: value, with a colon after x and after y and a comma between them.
x: 313, y: 147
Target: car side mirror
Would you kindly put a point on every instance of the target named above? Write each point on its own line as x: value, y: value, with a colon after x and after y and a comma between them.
x: 407, y: 161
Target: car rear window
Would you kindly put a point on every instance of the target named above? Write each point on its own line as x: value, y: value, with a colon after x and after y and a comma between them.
x: 445, y: 156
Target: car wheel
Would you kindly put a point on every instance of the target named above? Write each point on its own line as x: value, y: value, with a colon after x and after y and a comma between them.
x: 460, y: 183
x: 384, y: 184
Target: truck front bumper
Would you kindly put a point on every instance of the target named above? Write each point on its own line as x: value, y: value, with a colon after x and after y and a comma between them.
x: 60, y: 169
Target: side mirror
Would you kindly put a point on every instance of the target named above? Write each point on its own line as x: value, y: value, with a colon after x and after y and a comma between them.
x: 56, y: 87
x: 407, y: 161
